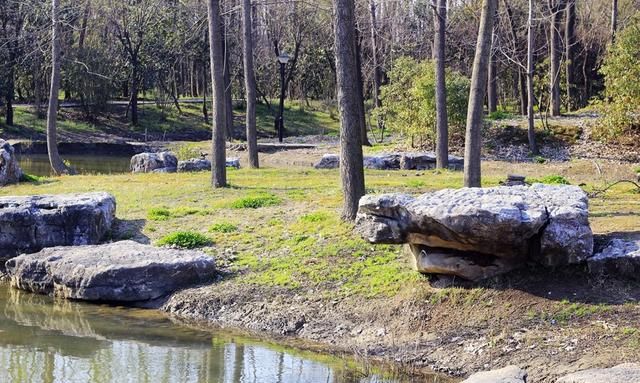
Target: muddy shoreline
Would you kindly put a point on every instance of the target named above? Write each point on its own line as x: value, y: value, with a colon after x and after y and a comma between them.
x: 451, y: 335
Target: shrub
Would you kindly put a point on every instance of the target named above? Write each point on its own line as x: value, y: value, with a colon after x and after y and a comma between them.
x: 256, y: 201
x: 185, y: 240
x: 31, y: 178
x: 223, y: 227
x: 158, y: 214
x: 621, y: 68
x: 409, y: 104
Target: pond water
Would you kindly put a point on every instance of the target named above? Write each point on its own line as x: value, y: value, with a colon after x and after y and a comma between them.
x: 38, y: 164
x: 48, y: 340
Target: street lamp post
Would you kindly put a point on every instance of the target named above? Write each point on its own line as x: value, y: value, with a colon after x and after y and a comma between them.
x: 283, y: 59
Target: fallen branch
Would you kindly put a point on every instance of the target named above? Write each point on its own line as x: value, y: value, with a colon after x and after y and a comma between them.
x: 598, y: 192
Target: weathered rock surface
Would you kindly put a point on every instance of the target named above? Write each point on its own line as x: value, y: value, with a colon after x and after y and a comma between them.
x: 476, y: 233
x: 201, y: 164
x: 623, y: 373
x: 10, y: 172
x: 164, y: 162
x: 510, y: 374
x: 123, y: 271
x: 393, y: 161
x: 30, y: 223
x: 619, y: 256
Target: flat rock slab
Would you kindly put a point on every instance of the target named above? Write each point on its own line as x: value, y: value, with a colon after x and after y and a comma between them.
x: 619, y: 257
x: 393, y: 161
x: 124, y: 271
x: 510, y: 374
x: 164, y: 162
x: 30, y: 223
x: 623, y: 373
x: 10, y: 172
x: 475, y: 233
x: 201, y: 164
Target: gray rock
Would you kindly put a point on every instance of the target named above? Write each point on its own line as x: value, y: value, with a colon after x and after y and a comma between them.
x: 475, y: 233
x: 149, y: 162
x: 123, y: 271
x: 393, y: 161
x: 328, y: 161
x: 383, y: 161
x: 30, y: 223
x: 623, y: 373
x: 10, y: 172
x: 200, y: 164
x: 619, y: 256
x: 510, y: 374
x: 425, y: 161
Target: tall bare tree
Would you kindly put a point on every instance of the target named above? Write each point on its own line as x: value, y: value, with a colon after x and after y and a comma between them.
x: 614, y: 19
x: 442, y: 123
x: 569, y: 41
x: 492, y: 89
x: 555, y: 54
x: 218, y: 160
x: 377, y: 75
x: 250, y: 85
x: 57, y: 164
x: 351, y: 167
x: 530, y: 72
x: 473, y: 137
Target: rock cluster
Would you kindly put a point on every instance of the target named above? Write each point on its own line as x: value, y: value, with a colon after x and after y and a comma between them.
x: 476, y: 233
x: 164, y: 162
x: 393, y: 161
x: 619, y: 256
x: 623, y: 373
x: 30, y: 223
x: 123, y: 271
x: 201, y: 164
x: 9, y: 170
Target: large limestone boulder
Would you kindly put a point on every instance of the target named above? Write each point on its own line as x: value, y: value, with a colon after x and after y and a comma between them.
x: 30, y: 223
x: 383, y: 161
x: 425, y: 161
x: 9, y: 170
x: 123, y: 271
x: 328, y: 161
x: 623, y: 373
x: 164, y: 162
x: 475, y: 233
x: 619, y: 256
x: 510, y: 374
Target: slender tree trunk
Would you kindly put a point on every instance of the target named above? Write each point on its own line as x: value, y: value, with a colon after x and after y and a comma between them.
x: 228, y: 95
x: 555, y: 54
x: 56, y: 162
x: 614, y: 19
x: 442, y: 123
x: 360, y: 93
x: 250, y: 85
x: 522, y: 87
x: 569, y: 40
x: 218, y: 160
x: 530, y: 72
x: 9, y: 97
x: 351, y: 167
x: 492, y: 90
x: 377, y: 75
x: 205, y: 112
x: 473, y: 137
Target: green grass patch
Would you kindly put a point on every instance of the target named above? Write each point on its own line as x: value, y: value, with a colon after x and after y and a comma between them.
x: 552, y: 179
x: 416, y: 183
x: 223, y: 227
x: 185, y: 240
x: 318, y: 216
x: 158, y: 214
x: 256, y: 201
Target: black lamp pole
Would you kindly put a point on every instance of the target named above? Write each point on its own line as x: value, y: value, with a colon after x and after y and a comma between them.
x: 282, y: 59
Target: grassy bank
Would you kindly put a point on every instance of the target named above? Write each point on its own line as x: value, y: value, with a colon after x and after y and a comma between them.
x: 292, y: 267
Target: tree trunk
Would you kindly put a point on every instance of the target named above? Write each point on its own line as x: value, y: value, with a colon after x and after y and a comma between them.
x: 614, y: 20
x: 555, y: 54
x: 569, y: 40
x: 377, y: 75
x: 530, y: 72
x: 8, y: 97
x: 351, y: 167
x: 360, y: 93
x: 133, y: 101
x: 473, y: 137
x: 56, y: 162
x: 250, y: 85
x: 492, y: 90
x: 442, y: 123
x: 218, y: 160
x: 228, y: 96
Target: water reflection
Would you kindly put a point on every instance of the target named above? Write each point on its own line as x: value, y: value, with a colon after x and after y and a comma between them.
x: 38, y: 164
x: 45, y: 340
